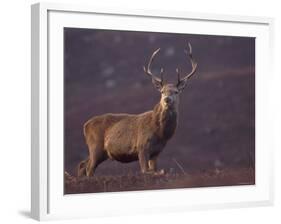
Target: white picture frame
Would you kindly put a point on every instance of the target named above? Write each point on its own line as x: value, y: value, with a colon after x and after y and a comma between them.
x: 47, y: 199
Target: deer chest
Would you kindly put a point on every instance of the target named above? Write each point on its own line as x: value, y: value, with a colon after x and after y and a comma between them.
x: 156, y: 146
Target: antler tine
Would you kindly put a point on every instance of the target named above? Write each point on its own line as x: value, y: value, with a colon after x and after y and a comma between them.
x: 193, y: 64
x: 179, y: 76
x: 148, y: 70
x: 161, y: 75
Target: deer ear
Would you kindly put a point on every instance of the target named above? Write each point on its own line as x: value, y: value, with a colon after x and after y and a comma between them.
x: 158, y: 85
x: 181, y: 85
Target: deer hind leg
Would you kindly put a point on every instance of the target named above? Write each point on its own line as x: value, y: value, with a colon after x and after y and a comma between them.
x: 81, y: 168
x: 96, y: 156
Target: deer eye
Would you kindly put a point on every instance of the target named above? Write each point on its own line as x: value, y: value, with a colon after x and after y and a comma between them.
x: 177, y: 92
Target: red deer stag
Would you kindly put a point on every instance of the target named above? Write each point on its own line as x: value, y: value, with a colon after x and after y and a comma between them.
x: 129, y: 137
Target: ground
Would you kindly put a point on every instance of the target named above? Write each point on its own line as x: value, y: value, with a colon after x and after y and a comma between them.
x: 170, y: 180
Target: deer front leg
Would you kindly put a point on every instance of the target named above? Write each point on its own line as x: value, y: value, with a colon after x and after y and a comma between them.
x: 152, y: 166
x: 143, y: 160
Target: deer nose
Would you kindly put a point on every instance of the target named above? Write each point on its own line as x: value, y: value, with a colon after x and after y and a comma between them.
x: 168, y: 99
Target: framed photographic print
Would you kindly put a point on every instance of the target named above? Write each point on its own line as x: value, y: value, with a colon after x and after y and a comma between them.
x: 138, y: 111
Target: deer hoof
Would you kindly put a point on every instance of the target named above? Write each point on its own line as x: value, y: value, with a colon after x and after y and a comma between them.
x: 159, y: 173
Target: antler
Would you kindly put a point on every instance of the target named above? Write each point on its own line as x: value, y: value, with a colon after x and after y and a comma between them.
x: 148, y: 70
x: 193, y: 64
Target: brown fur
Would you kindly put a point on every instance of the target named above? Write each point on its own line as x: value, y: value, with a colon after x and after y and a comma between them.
x: 126, y: 138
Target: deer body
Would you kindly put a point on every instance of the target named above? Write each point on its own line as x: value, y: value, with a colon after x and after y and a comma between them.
x: 133, y: 134
x: 129, y: 137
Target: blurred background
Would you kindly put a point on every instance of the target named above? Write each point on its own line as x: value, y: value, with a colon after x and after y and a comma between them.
x: 103, y: 74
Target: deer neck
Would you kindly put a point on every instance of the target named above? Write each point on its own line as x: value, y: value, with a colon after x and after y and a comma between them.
x: 165, y: 121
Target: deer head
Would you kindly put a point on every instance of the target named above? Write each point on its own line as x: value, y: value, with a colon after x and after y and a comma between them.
x: 169, y: 91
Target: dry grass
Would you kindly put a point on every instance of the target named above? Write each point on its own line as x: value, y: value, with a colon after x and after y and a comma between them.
x: 170, y: 180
